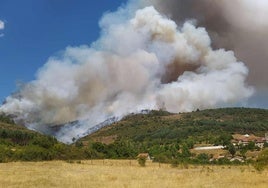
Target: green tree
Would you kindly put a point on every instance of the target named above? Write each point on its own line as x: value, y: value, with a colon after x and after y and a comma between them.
x: 231, y: 149
x: 44, y: 141
x: 142, y: 161
x: 203, y: 158
x: 251, y: 146
x: 185, y: 151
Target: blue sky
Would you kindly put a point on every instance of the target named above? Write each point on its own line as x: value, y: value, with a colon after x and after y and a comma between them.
x: 34, y: 30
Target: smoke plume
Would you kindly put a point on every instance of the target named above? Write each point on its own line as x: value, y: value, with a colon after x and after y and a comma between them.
x: 143, y: 60
x: 238, y: 25
x: 2, y: 26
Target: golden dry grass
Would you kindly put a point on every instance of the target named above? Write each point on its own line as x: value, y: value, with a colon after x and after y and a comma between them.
x: 112, y: 173
x: 215, y: 152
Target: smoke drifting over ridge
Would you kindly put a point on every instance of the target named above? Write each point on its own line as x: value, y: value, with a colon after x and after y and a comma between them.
x: 143, y: 60
x: 238, y: 25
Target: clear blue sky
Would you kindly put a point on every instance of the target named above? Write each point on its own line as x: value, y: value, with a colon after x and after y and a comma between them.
x: 37, y: 29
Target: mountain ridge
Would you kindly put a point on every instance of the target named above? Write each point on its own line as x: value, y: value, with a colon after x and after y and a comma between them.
x: 242, y: 120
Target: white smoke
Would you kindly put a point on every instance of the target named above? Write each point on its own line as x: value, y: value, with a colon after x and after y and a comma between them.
x: 2, y: 26
x: 143, y: 60
x: 241, y: 13
x: 248, y: 21
x: 239, y: 25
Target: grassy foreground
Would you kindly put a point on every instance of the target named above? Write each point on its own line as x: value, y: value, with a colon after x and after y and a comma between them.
x: 115, y: 173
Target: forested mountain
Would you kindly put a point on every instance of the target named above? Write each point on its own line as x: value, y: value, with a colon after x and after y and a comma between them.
x: 202, y: 126
x: 165, y: 136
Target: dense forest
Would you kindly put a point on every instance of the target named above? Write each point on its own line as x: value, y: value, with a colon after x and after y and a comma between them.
x: 165, y: 136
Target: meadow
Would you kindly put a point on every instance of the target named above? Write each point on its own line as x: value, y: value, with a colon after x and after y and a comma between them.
x: 126, y: 173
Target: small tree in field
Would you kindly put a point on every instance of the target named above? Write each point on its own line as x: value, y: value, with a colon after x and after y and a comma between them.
x: 142, y: 159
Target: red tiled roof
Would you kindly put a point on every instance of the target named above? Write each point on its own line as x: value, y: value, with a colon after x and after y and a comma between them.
x: 247, y: 138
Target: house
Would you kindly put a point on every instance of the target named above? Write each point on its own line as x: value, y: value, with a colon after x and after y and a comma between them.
x: 209, y: 148
x: 244, y: 140
x: 144, y: 155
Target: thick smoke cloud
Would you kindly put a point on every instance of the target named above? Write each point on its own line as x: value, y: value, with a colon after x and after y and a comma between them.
x: 143, y: 60
x: 238, y: 25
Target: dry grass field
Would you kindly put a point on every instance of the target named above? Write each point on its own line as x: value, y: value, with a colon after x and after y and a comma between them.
x: 125, y: 173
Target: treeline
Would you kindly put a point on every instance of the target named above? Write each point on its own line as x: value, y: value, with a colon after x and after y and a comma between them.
x: 167, y: 137
x: 20, y: 144
x: 201, y: 126
x: 5, y: 119
x: 170, y: 137
x: 174, y: 153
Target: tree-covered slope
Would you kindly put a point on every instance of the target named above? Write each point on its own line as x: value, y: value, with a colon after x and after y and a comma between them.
x: 206, y: 125
x: 169, y: 137
x: 17, y: 143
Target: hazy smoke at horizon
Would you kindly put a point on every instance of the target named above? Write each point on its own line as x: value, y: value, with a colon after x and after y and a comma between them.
x: 143, y: 60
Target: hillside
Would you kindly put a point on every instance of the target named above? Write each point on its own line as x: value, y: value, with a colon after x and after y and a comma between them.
x: 165, y: 136
x: 162, y: 134
x: 206, y: 125
x: 17, y: 143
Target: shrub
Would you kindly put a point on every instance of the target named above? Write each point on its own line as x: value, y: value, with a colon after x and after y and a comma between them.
x: 175, y: 163
x: 34, y: 153
x: 142, y: 161
x: 203, y: 158
x: 262, y: 161
x: 231, y: 149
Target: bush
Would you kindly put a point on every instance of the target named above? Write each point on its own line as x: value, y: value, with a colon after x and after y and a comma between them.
x: 142, y: 161
x: 203, y: 158
x: 44, y: 141
x: 175, y: 163
x: 231, y: 149
x: 262, y: 161
x: 34, y: 153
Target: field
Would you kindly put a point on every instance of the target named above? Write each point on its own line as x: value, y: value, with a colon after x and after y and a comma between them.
x: 126, y: 173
